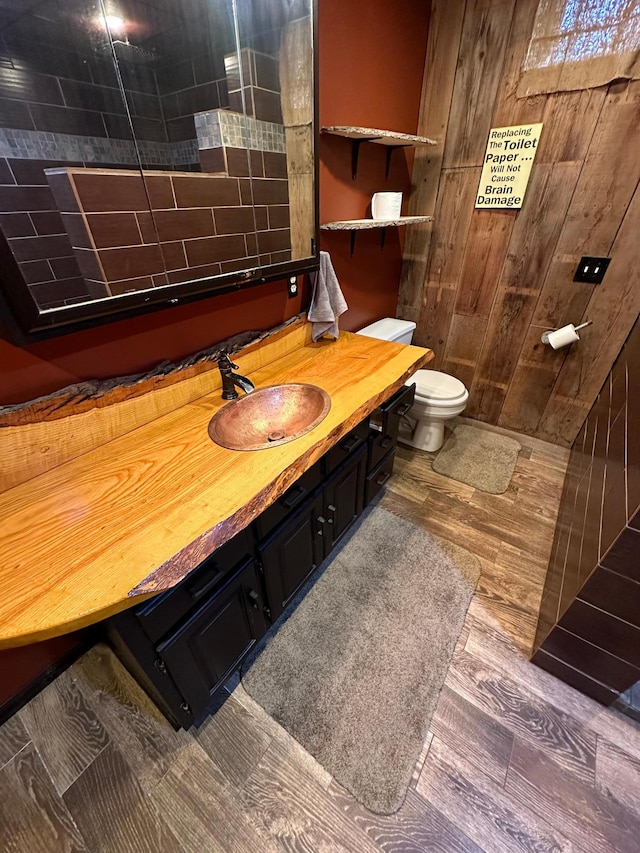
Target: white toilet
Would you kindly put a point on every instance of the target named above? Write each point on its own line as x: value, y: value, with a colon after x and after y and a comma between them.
x: 439, y: 397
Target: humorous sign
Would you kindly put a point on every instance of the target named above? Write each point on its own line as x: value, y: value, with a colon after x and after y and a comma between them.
x: 507, y: 165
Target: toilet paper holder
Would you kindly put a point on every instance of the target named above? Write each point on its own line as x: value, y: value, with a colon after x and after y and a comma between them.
x: 558, y: 338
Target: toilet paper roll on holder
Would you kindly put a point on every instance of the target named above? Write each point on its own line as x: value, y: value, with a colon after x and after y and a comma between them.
x: 557, y: 338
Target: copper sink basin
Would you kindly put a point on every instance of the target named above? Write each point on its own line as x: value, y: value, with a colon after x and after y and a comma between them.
x: 269, y: 417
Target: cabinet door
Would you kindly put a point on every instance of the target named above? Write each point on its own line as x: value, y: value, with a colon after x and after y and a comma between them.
x: 344, y: 497
x: 211, y: 644
x: 391, y: 413
x: 292, y: 553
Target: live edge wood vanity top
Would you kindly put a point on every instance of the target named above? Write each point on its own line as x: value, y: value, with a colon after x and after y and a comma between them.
x: 134, y: 516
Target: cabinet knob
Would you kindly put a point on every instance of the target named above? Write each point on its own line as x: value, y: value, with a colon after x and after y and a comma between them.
x: 321, y: 520
x: 254, y: 598
x: 331, y: 508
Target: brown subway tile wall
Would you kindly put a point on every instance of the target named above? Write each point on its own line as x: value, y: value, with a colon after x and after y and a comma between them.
x: 215, y: 249
x: 65, y: 290
x: 130, y: 262
x: 212, y: 160
x: 17, y: 225
x: 185, y: 224
x: 89, y: 265
x: 262, y: 218
x: 256, y: 162
x: 76, y: 227
x: 64, y: 268
x: 101, y: 191
x: 131, y: 285
x: 37, y: 272
x: 278, y: 216
x: 194, y: 273
x: 47, y: 222
x: 622, y: 557
x: 275, y: 164
x: 603, y: 630
x: 259, y: 84
x: 205, y: 191
x: 174, y: 255
x: 575, y: 678
x: 121, y: 244
x: 237, y: 162
x: 270, y: 191
x: 147, y: 226
x: 234, y: 220
x: 76, y: 99
x: 35, y: 233
x: 16, y: 199
x: 604, y: 667
x: 589, y: 626
x: 274, y: 241
x: 111, y: 229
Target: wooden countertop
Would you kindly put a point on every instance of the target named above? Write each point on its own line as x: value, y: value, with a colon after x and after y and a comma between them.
x: 133, y: 517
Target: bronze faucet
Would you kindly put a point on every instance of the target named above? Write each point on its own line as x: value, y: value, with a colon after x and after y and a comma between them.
x: 231, y: 379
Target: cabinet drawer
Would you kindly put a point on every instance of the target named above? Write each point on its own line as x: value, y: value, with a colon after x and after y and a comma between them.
x: 400, y: 403
x: 294, y: 497
x: 341, y: 451
x: 159, y: 615
x: 377, y: 479
x: 204, y: 652
x: 381, y: 441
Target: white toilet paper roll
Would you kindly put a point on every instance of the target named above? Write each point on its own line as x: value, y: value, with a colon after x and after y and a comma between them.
x: 563, y: 337
x: 386, y: 205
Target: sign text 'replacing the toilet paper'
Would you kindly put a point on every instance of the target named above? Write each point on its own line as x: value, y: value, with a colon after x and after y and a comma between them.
x: 507, y: 165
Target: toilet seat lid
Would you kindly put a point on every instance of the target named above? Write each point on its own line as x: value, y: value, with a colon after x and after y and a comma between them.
x: 434, y: 385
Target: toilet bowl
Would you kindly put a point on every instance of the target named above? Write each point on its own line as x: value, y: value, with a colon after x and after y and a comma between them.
x: 439, y: 397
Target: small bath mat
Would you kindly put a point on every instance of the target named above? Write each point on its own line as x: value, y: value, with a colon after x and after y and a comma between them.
x: 355, y: 672
x: 479, y: 458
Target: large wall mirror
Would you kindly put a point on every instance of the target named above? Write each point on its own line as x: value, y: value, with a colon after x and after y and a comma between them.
x: 152, y: 151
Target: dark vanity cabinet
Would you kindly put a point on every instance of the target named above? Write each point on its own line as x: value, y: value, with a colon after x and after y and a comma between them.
x: 292, y: 551
x: 182, y: 645
x: 383, y: 438
x: 210, y: 645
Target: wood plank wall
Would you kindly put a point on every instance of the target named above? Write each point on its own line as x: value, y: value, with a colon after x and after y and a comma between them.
x: 589, y: 626
x: 483, y: 285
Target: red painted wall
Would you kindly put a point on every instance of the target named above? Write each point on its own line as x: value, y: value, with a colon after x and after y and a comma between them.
x: 371, y: 63
x: 133, y: 345
x: 372, y: 57
x: 19, y: 667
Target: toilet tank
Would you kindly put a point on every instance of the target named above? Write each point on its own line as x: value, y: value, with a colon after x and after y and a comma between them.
x: 390, y: 329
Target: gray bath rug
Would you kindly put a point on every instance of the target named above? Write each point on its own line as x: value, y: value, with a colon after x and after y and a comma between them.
x: 355, y: 672
x: 479, y: 458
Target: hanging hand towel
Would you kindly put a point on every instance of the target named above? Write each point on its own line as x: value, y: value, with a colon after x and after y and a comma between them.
x: 327, y: 302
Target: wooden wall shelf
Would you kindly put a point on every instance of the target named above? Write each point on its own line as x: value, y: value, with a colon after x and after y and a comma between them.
x: 354, y: 225
x: 391, y: 139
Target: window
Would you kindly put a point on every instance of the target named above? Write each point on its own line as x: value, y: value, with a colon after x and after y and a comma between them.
x: 579, y: 44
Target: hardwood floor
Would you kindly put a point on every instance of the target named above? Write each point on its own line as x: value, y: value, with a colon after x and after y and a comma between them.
x: 515, y: 760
